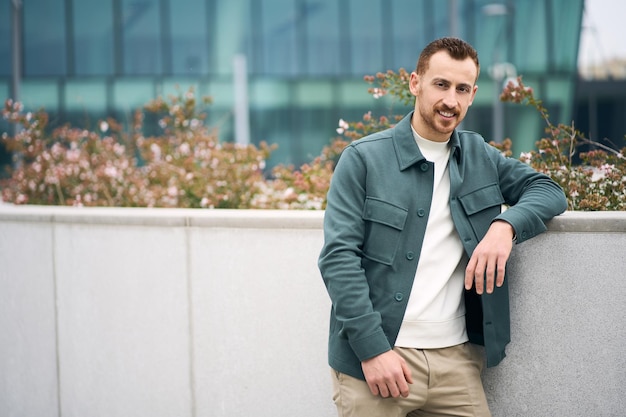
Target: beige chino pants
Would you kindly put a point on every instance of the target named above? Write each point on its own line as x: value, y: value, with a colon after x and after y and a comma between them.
x: 446, y: 382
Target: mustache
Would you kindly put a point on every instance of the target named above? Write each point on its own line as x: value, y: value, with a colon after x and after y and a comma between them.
x: 448, y: 109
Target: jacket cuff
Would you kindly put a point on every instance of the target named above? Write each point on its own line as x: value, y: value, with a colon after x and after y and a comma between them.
x: 370, y: 346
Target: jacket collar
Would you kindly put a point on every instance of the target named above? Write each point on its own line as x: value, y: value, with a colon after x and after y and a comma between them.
x: 407, y: 151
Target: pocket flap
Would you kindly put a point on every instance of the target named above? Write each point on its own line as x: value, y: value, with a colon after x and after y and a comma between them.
x: 382, y: 212
x: 481, y: 199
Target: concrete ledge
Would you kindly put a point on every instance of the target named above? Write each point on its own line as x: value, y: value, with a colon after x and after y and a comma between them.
x: 570, y: 222
x: 257, y: 219
x: 587, y: 221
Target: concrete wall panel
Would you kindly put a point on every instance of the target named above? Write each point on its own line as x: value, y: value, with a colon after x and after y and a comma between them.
x: 123, y: 321
x: 260, y: 323
x: 28, y: 368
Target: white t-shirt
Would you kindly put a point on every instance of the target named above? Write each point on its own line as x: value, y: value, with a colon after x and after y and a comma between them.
x: 435, y: 315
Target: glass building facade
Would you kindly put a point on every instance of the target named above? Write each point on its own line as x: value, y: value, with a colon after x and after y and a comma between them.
x: 83, y: 60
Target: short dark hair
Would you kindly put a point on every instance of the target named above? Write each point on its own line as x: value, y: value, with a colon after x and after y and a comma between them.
x: 457, y: 48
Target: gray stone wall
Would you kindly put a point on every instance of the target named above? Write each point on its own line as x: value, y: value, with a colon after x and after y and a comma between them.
x: 199, y: 313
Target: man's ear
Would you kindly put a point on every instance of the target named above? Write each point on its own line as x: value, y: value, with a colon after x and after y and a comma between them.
x: 474, y: 90
x: 414, y: 83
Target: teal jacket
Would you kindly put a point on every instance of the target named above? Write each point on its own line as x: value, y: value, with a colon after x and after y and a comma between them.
x: 378, y: 205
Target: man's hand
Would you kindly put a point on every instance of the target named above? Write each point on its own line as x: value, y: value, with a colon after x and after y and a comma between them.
x: 387, y: 375
x: 489, y: 258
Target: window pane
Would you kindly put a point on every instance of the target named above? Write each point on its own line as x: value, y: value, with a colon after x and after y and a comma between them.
x: 233, y: 17
x: 323, y: 46
x: 315, y: 127
x: 407, y: 37
x: 366, y: 37
x: 6, y: 27
x: 38, y: 95
x: 531, y: 49
x: 279, y: 22
x: 4, y: 90
x: 141, y: 28
x: 440, y: 19
x: 566, y: 31
x: 188, y: 25
x: 85, y: 96
x: 275, y: 125
x: 129, y: 95
x: 44, y: 38
x: 93, y: 40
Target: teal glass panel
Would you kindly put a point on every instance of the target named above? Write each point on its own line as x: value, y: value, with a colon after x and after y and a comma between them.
x: 269, y: 93
x: 141, y: 29
x: 408, y: 38
x: 565, y: 25
x: 222, y: 94
x: 89, y: 96
x: 533, y: 41
x: 314, y: 94
x: 45, y: 51
x: 40, y: 94
x: 323, y: 37
x: 440, y: 21
x: 6, y: 12
x: 366, y: 37
x: 275, y: 126
x: 233, y: 18
x: 280, y: 22
x: 316, y: 129
x: 93, y: 40
x: 560, y: 90
x: 354, y: 93
x: 188, y: 26
x: 131, y: 95
x: 4, y: 92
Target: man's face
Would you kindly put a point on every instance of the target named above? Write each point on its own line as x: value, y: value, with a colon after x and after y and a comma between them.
x: 443, y: 95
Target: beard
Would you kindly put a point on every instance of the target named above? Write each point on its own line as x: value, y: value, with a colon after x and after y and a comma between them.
x: 436, y: 124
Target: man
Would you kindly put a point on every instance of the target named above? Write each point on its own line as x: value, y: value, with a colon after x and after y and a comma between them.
x: 415, y: 251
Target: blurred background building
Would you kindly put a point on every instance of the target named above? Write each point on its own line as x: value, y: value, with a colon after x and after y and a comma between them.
x: 285, y: 71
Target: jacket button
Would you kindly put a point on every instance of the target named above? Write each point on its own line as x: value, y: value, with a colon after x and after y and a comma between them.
x: 410, y: 255
x: 421, y: 212
x: 424, y: 167
x: 399, y: 296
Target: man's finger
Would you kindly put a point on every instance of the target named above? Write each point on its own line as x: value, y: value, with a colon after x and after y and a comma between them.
x: 469, y: 273
x: 490, y: 275
x: 479, y: 276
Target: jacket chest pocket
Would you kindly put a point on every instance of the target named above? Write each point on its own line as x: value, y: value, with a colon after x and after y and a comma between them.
x: 482, y: 206
x: 384, y: 223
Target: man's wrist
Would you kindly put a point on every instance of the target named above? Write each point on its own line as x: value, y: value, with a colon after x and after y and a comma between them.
x: 513, y: 234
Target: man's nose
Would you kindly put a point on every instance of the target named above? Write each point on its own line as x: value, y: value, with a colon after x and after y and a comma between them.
x: 449, y: 98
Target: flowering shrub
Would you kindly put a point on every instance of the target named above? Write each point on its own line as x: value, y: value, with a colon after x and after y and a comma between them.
x: 186, y: 166
x: 304, y: 188
x: 597, y: 182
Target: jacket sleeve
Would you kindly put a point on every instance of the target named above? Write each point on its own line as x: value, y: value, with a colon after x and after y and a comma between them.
x: 533, y: 197
x: 340, y: 261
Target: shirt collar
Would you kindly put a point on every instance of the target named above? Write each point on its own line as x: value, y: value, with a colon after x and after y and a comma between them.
x: 407, y: 151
